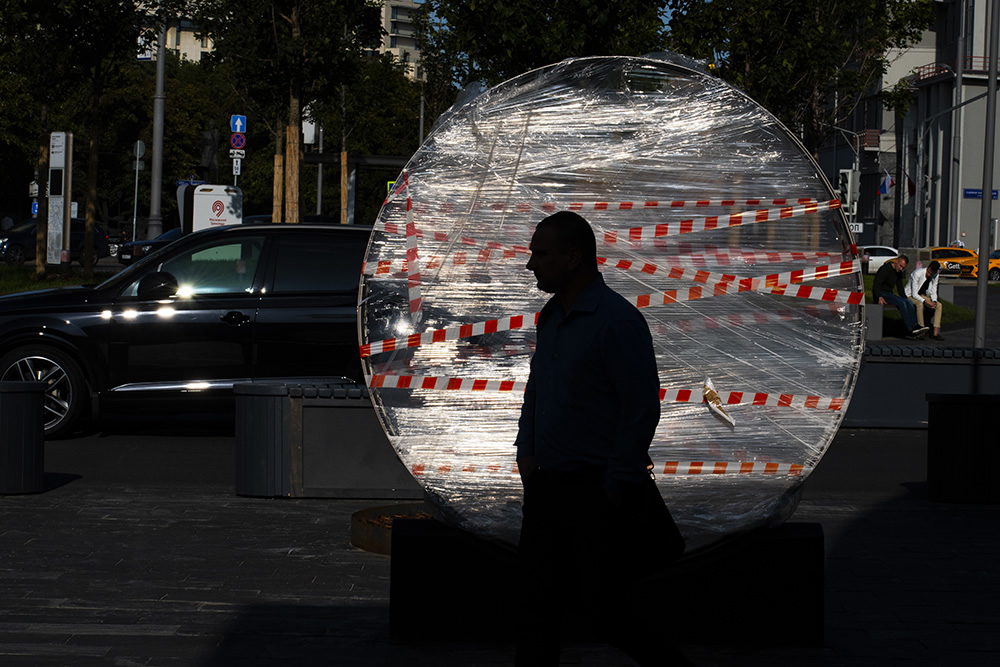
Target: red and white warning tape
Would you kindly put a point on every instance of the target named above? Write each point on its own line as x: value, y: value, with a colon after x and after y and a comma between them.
x: 548, y: 207
x: 730, y: 398
x: 669, y: 468
x: 413, y: 277
x: 491, y: 252
x: 642, y: 301
x: 712, y: 222
x: 730, y: 468
x: 449, y: 334
x: 768, y: 281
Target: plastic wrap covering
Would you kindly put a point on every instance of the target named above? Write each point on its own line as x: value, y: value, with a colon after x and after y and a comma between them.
x: 709, y: 215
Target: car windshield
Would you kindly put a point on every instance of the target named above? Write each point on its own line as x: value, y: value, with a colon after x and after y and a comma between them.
x: 23, y: 227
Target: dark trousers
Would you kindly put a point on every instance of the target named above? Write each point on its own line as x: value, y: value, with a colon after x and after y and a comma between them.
x: 581, y: 573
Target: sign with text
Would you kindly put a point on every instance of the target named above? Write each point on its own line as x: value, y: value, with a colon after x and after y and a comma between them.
x: 977, y: 193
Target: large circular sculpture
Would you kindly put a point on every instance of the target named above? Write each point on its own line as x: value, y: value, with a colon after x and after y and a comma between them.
x: 709, y: 216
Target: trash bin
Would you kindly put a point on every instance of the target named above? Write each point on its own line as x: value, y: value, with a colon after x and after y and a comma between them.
x: 263, y: 458
x: 315, y: 440
x: 962, y: 453
x: 22, y: 437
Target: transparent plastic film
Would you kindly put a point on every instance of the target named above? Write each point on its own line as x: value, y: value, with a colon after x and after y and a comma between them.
x: 709, y: 216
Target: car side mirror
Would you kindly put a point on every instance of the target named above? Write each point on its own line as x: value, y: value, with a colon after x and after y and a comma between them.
x: 159, y: 285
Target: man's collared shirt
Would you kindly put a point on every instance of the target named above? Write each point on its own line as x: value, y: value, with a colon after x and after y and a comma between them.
x: 592, y: 397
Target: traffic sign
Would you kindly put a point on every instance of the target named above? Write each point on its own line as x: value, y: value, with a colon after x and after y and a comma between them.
x: 238, y: 124
x: 236, y: 167
x: 233, y: 153
x: 238, y: 140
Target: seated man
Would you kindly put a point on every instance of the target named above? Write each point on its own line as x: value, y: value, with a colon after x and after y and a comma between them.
x: 922, y: 290
x: 890, y: 277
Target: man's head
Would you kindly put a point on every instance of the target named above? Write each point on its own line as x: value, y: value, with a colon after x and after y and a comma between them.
x: 933, y: 268
x: 901, y: 263
x: 563, y: 253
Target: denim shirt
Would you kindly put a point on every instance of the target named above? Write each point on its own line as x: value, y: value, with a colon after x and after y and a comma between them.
x: 592, y: 397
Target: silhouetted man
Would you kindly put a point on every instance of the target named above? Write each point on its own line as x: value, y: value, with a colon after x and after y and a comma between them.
x: 590, y: 411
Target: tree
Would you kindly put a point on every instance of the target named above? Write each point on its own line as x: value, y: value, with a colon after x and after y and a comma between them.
x: 285, y: 55
x: 494, y: 40
x: 807, y: 63
x: 56, y: 47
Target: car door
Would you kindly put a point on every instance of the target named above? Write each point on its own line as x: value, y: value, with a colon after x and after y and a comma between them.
x: 202, y: 336
x: 307, y: 319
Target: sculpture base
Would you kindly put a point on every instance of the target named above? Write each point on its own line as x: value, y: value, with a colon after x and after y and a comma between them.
x: 446, y: 584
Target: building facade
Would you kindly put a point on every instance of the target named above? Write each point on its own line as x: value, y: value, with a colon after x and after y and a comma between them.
x: 933, y: 154
x: 400, y: 40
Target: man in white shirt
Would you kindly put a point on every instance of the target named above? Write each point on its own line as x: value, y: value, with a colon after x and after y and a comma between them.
x: 922, y: 290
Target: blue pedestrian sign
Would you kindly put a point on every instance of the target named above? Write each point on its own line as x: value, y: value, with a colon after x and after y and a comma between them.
x: 238, y: 124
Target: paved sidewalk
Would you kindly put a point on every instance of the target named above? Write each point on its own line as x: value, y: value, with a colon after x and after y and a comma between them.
x: 141, y: 554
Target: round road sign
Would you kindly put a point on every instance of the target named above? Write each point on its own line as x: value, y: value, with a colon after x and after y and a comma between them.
x: 238, y: 140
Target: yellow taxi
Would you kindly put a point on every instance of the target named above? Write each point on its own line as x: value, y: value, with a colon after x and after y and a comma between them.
x: 951, y: 259
x: 970, y: 269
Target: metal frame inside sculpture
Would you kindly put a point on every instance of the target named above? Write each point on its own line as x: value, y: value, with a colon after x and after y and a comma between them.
x: 709, y: 215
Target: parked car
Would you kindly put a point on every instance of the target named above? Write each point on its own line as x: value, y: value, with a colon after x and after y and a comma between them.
x: 17, y: 244
x: 222, y: 306
x: 951, y: 259
x: 970, y: 268
x: 877, y: 255
x: 129, y: 252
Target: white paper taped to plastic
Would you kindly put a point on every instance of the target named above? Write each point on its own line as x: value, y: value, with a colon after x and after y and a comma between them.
x: 709, y: 215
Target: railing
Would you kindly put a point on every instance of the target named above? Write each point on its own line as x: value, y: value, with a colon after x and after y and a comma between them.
x: 974, y: 64
x: 868, y: 140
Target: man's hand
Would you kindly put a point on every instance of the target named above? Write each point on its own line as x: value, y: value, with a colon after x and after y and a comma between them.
x: 526, y: 466
x: 881, y: 301
x: 931, y: 304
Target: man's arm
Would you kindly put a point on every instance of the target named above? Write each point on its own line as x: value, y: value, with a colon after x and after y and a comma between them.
x: 632, y: 375
x: 878, y: 284
x: 525, y: 441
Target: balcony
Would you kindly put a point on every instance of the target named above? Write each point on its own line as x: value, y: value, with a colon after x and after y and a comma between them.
x: 869, y: 140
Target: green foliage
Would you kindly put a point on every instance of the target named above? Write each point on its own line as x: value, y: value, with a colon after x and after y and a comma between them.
x: 282, y: 55
x: 808, y: 63
x: 463, y: 41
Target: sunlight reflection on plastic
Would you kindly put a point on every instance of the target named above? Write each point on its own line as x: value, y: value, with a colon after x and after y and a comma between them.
x: 709, y: 215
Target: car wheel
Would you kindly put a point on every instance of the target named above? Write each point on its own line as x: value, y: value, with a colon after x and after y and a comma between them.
x: 994, y: 275
x: 66, y: 397
x: 15, y: 255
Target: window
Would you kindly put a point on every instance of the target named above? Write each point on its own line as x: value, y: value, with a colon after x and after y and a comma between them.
x: 392, y: 42
x: 217, y: 267
x: 318, y: 263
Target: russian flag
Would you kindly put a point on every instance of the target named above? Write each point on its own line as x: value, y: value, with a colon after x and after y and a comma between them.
x: 887, y: 183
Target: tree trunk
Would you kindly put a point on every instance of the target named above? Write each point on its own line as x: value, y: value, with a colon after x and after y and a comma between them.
x: 293, y: 132
x: 278, y: 188
x: 292, y: 149
x: 42, y: 221
x: 92, y: 164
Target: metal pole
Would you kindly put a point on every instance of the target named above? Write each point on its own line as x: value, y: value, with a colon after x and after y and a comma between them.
x: 154, y: 225
x: 987, y: 208
x: 319, y: 172
x: 956, y: 142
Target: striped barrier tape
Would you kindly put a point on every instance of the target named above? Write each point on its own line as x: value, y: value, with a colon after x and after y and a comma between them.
x: 632, y: 235
x: 757, y: 399
x: 713, y: 222
x: 643, y: 301
x: 550, y: 207
x: 668, y: 468
x: 773, y: 280
x: 490, y: 253
x: 413, y: 277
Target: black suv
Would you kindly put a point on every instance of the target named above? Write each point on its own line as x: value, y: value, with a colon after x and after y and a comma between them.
x: 218, y: 307
x: 17, y: 244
